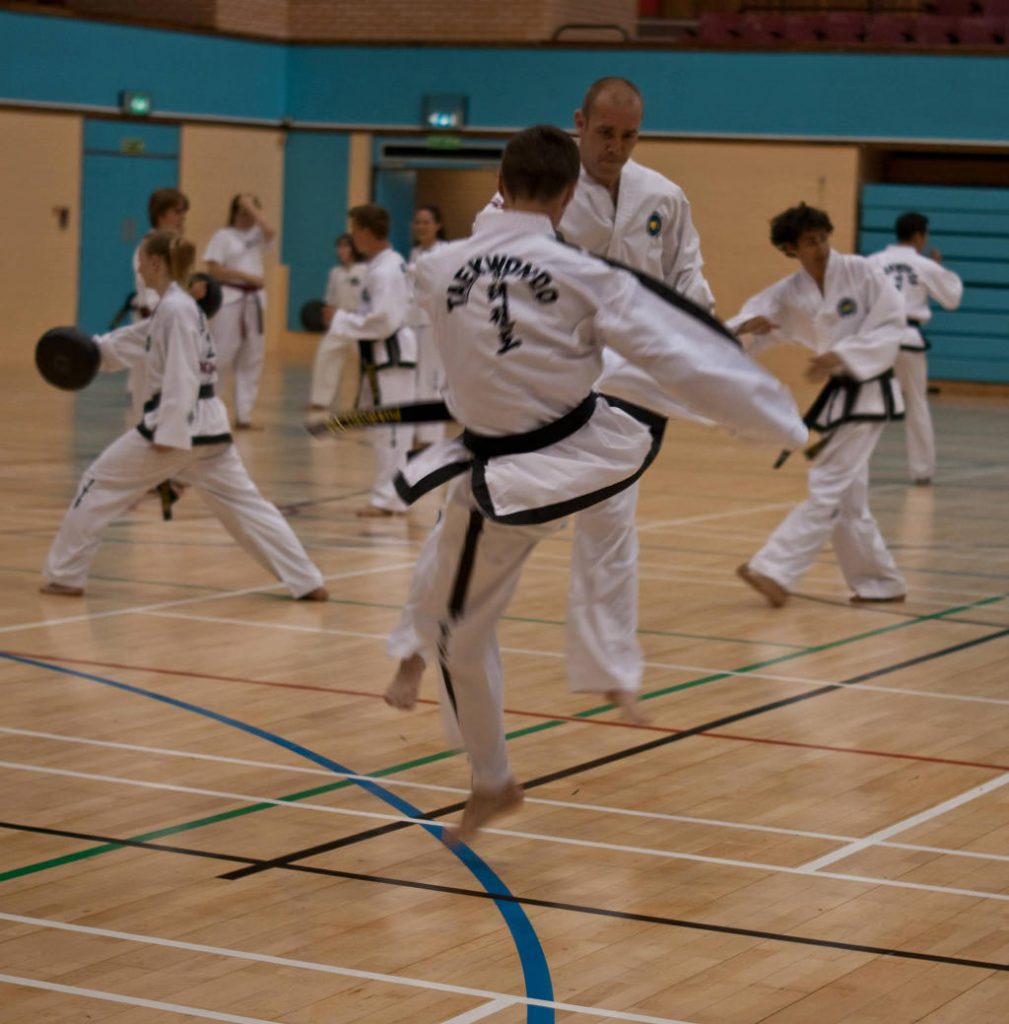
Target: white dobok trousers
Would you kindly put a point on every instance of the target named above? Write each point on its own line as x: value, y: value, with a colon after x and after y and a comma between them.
x: 911, y: 370
x: 130, y: 467
x: 240, y: 349
x: 602, y: 650
x: 429, y: 384
x: 327, y: 368
x: 469, y: 577
x: 601, y: 639
x: 396, y: 384
x: 837, y: 510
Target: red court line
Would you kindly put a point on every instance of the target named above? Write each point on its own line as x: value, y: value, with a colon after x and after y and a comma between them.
x: 668, y: 730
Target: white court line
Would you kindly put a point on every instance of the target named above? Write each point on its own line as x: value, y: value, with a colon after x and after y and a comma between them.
x: 560, y: 656
x: 907, y: 823
x: 947, y: 478
x: 539, y: 801
x: 346, y: 972
x: 663, y: 523
x: 480, y: 1012
x: 112, y: 997
x: 91, y: 616
x: 510, y: 833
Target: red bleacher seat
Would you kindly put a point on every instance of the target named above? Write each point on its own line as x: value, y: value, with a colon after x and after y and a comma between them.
x: 936, y: 30
x: 846, y: 26
x: 890, y: 29
x: 762, y: 28
x: 718, y: 27
x: 957, y: 8
x: 804, y: 28
x: 983, y: 31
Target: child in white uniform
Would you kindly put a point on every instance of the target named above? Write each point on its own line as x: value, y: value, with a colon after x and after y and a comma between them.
x: 388, y: 349
x: 847, y: 313
x: 166, y: 210
x: 234, y: 255
x: 917, y: 277
x: 428, y: 236
x: 183, y: 435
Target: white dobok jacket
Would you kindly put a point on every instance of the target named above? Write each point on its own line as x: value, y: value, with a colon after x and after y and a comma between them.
x: 520, y: 322
x: 383, y: 313
x: 917, y: 277
x: 175, y: 346
x: 858, y: 316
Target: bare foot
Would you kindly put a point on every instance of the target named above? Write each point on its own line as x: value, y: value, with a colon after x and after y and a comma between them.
x: 626, y: 702
x: 61, y: 590
x: 402, y: 691
x: 319, y: 594
x: 773, y: 591
x: 858, y: 599
x: 483, y: 807
x: 374, y: 512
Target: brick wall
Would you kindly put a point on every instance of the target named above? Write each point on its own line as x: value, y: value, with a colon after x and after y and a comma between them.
x: 185, y: 13
x: 267, y: 18
x: 451, y: 21
x: 377, y: 21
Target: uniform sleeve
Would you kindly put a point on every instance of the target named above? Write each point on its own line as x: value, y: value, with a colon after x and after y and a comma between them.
x: 768, y: 303
x: 180, y: 386
x: 941, y: 283
x: 332, y: 296
x: 125, y: 347
x: 217, y: 250
x: 389, y: 299
x: 693, y: 362
x: 681, y: 256
x: 874, y: 347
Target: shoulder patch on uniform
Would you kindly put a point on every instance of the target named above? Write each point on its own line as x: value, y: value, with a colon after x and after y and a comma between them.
x: 847, y: 307
x: 654, y: 223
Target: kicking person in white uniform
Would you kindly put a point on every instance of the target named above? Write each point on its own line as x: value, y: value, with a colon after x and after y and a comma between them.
x: 521, y: 321
x: 629, y: 213
x: 843, y: 309
x: 183, y: 435
x: 234, y: 255
x: 917, y: 277
x: 388, y: 349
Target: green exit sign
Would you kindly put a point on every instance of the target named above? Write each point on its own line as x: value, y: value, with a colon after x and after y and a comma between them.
x: 136, y: 104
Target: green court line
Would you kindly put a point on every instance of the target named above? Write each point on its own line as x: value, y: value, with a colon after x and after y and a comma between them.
x: 516, y: 734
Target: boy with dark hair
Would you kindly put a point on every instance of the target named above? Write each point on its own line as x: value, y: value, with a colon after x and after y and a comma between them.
x: 521, y: 321
x: 843, y: 309
x: 387, y: 346
x: 917, y: 277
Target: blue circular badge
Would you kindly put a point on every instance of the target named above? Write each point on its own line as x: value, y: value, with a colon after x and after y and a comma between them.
x: 847, y: 307
x: 654, y: 224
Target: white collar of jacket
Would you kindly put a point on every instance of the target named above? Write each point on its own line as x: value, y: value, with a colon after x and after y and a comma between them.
x: 509, y: 222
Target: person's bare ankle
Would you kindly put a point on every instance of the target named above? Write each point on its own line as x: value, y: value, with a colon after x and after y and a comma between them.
x: 402, y: 692
x: 61, y: 590
x: 483, y: 807
x: 626, y: 702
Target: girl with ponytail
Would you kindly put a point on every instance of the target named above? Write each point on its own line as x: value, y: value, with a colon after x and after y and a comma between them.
x: 183, y: 435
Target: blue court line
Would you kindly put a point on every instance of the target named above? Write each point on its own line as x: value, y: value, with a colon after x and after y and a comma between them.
x: 535, y: 970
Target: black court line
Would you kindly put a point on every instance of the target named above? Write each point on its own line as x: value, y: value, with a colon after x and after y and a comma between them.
x: 619, y: 755
x: 531, y: 901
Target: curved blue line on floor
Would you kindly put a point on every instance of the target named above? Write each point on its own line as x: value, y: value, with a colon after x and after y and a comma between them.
x: 535, y: 971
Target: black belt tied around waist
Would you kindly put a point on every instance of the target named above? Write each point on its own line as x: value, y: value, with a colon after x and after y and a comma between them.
x: 533, y: 440
x: 206, y: 391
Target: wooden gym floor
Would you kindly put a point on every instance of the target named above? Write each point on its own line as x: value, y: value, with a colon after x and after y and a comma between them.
x: 812, y: 828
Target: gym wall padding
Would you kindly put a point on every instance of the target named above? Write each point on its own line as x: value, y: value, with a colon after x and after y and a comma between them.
x: 970, y: 228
